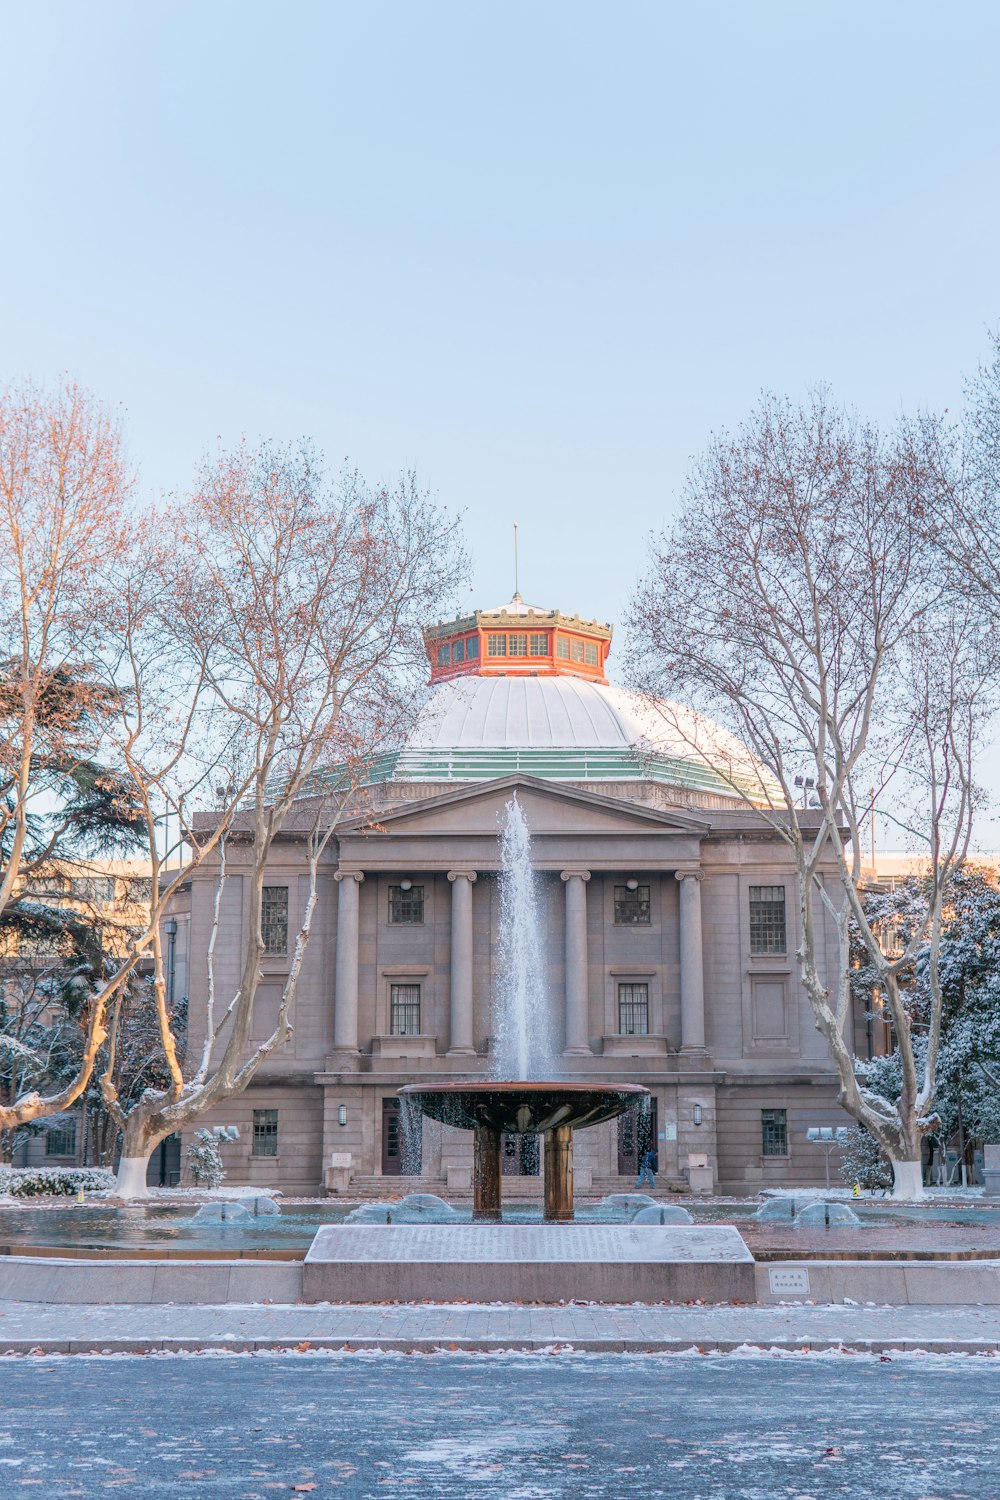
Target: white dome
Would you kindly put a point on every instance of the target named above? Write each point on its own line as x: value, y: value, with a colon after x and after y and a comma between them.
x: 567, y: 728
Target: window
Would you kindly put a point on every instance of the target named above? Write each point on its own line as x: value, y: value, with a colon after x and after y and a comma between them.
x: 265, y: 1132
x: 774, y: 1132
x: 576, y: 650
x: 458, y: 650
x: 590, y: 654
x: 406, y: 908
x: 496, y: 645
x: 404, y: 1010
x: 633, y: 1009
x: 95, y: 888
x: 60, y: 1140
x: 767, y: 919
x: 274, y: 918
x: 472, y: 648
x: 517, y: 645
x: 444, y: 654
x: 540, y: 644
x: 631, y: 907
x: 562, y: 648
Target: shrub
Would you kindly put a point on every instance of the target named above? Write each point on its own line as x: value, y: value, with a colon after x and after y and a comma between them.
x: 864, y: 1162
x: 57, y: 1182
x: 204, y: 1160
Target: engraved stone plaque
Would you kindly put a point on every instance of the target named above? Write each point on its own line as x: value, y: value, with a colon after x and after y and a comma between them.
x: 793, y: 1279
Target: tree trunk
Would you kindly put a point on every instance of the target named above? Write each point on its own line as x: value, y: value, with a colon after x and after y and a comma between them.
x: 139, y: 1141
x: 908, y: 1181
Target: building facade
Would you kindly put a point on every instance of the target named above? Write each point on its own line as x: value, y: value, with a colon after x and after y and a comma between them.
x: 670, y: 910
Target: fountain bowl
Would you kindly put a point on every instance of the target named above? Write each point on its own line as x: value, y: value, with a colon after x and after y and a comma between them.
x: 515, y: 1107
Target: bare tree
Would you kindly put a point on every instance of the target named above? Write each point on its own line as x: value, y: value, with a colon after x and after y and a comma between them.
x: 295, y: 605
x: 799, y: 600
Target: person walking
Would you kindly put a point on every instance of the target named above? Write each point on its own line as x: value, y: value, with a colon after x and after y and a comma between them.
x: 650, y: 1166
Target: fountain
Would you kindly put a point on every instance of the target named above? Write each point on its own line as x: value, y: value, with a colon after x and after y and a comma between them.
x: 520, y: 1097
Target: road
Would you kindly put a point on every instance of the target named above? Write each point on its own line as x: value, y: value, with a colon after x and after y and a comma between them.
x: 518, y: 1427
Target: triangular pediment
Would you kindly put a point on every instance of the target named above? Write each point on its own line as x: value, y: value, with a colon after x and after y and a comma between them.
x: 549, y: 809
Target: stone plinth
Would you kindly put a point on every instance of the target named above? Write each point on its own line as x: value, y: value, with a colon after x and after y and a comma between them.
x: 531, y: 1262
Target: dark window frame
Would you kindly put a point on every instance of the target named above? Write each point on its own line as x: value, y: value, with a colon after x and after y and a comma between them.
x: 774, y: 1132
x: 406, y: 908
x: 274, y: 919
x: 264, y: 1133
x: 64, y: 1136
x: 404, y: 1008
x: 633, y: 1007
x: 633, y: 908
x: 768, y: 921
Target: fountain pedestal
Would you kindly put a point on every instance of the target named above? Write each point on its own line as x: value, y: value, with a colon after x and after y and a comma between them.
x: 552, y: 1110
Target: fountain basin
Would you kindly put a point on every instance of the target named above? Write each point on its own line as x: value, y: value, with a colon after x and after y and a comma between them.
x: 520, y: 1108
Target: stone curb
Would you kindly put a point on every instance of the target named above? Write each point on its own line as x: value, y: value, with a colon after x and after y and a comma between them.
x: 509, y: 1344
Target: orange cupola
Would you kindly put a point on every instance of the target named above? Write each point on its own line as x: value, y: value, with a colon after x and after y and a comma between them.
x: 518, y: 640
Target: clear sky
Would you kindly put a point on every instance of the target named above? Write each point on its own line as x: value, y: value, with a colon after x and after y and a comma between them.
x: 536, y: 251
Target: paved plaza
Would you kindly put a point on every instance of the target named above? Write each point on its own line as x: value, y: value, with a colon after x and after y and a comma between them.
x: 595, y: 1328
x: 528, y: 1427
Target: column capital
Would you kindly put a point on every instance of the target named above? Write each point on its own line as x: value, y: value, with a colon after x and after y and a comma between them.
x: 357, y: 875
x: 469, y: 875
x: 689, y: 875
x: 574, y: 875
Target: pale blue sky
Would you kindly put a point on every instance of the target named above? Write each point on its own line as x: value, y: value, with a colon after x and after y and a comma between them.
x: 536, y: 251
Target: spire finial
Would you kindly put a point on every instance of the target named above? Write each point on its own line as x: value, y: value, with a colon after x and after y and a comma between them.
x: 517, y: 593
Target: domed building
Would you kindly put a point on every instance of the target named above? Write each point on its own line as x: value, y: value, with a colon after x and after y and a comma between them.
x: 670, y: 911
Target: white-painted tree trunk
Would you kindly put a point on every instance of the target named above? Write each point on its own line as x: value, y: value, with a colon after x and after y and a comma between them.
x: 131, y: 1179
x: 908, y: 1181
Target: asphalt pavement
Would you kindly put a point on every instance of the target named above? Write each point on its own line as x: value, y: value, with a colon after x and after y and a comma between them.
x: 512, y: 1427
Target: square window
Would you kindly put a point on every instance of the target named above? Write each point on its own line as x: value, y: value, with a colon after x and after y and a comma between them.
x: 444, y: 654
x: 633, y: 1009
x: 472, y: 648
x: 576, y: 650
x: 406, y: 908
x: 60, y: 1140
x: 774, y: 1132
x: 265, y: 1133
x: 632, y: 907
x: 458, y: 650
x: 517, y: 645
x: 274, y: 918
x: 496, y: 645
x: 404, y: 1010
x: 540, y: 644
x: 767, y: 919
x: 590, y: 654
x: 562, y: 648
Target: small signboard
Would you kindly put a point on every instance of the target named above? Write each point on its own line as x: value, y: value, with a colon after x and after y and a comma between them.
x: 793, y: 1279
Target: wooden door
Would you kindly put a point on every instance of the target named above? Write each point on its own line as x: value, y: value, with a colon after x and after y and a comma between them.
x: 637, y: 1133
x: 402, y: 1143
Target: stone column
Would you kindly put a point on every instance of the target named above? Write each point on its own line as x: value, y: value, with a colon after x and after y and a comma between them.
x: 460, y: 1030
x: 559, y: 1174
x: 345, y: 1004
x: 577, y: 1009
x: 692, y: 975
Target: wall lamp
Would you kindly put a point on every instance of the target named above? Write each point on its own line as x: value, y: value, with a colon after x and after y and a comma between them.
x: 631, y: 885
x: 406, y: 885
x: 696, y: 1114
x: 342, y: 1115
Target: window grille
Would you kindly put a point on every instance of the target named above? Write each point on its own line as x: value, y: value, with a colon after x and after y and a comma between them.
x: 404, y: 1010
x: 540, y: 644
x: 496, y: 645
x: 632, y: 907
x: 95, y: 888
x: 274, y: 918
x: 60, y: 1140
x: 265, y: 1132
x: 562, y: 648
x: 590, y: 654
x: 406, y: 908
x: 767, y: 919
x: 444, y: 654
x: 517, y: 645
x: 774, y: 1132
x: 472, y: 648
x: 633, y: 1009
x: 576, y: 650
x: 458, y: 650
